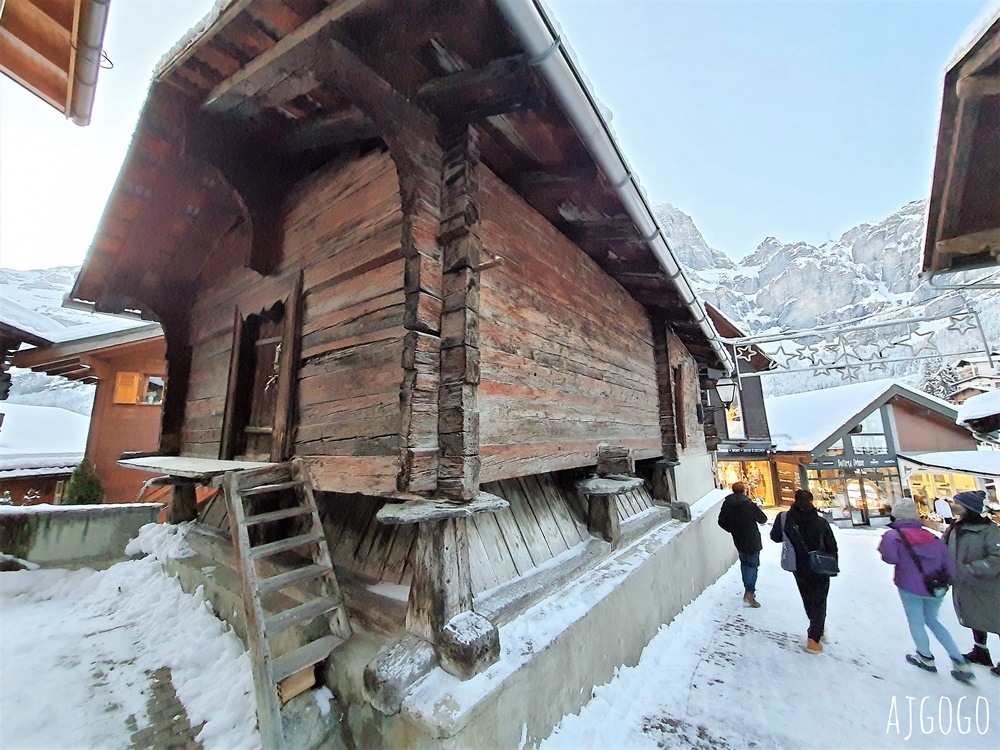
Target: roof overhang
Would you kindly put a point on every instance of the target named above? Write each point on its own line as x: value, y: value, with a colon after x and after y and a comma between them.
x: 261, y: 85
x: 963, y: 219
x: 975, y: 463
x: 71, y: 359
x: 53, y: 48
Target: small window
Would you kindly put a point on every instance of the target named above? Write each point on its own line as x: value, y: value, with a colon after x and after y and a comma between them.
x: 137, y: 388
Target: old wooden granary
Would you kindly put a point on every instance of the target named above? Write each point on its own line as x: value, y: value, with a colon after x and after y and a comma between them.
x: 397, y: 243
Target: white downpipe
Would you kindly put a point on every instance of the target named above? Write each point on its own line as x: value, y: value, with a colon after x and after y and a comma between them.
x: 531, y: 25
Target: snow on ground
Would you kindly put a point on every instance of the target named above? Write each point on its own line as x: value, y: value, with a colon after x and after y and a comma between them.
x: 722, y: 675
x: 77, y: 647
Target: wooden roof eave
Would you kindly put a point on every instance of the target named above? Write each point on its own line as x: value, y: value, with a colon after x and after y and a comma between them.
x: 623, y: 251
x: 971, y: 79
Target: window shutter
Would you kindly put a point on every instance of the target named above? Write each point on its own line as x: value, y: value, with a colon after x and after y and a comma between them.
x: 127, y: 387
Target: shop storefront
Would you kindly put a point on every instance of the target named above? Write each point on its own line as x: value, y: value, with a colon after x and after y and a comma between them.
x: 857, y: 489
x: 752, y: 467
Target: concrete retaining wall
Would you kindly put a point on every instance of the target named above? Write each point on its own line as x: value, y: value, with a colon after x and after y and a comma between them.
x: 72, y: 535
x: 694, y: 477
x: 619, y: 606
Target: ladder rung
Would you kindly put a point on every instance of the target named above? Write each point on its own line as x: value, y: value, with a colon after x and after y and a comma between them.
x: 277, y: 515
x: 264, y: 488
x: 296, y: 615
x: 299, y: 575
x: 312, y: 653
x: 282, y: 545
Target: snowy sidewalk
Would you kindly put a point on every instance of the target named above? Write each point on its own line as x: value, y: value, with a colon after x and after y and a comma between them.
x: 91, y: 660
x: 726, y: 676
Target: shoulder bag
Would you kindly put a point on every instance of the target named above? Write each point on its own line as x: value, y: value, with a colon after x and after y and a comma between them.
x: 936, y: 582
x: 821, y: 563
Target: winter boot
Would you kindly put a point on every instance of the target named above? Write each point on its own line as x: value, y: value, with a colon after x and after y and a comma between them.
x: 751, y: 600
x: 813, y: 647
x: 979, y: 655
x: 924, y: 662
x: 961, y: 671
x: 996, y: 670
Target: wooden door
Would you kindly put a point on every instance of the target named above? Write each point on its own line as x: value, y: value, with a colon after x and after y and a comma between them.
x: 260, y: 397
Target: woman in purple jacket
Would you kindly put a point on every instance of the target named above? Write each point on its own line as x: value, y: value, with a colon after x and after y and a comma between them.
x: 908, y: 539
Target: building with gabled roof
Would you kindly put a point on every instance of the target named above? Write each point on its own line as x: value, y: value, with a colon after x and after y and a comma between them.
x: 404, y: 270
x: 845, y: 445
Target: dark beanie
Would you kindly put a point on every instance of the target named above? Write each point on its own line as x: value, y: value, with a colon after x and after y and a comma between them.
x: 972, y: 500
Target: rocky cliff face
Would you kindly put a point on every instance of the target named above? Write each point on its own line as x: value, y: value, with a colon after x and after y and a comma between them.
x: 795, y: 286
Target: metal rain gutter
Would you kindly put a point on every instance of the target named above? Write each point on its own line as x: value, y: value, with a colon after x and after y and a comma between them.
x: 90, y: 41
x: 537, y: 34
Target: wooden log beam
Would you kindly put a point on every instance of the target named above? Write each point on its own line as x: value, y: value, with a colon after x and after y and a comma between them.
x: 222, y: 22
x: 293, y: 53
x: 501, y: 86
x: 38, y: 30
x: 458, y: 412
x: 977, y: 86
x: 32, y: 70
x: 336, y: 129
x: 987, y: 241
x: 664, y: 386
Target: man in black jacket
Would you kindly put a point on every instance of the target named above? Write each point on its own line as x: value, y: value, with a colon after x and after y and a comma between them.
x: 740, y: 516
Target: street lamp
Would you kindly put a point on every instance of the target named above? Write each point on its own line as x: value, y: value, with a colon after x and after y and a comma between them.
x: 726, y: 389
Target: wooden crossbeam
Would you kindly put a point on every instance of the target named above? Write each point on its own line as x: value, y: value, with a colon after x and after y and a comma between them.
x: 350, y: 125
x: 987, y: 241
x: 609, y: 228
x: 227, y: 17
x: 977, y: 86
x: 501, y: 86
x: 280, y: 63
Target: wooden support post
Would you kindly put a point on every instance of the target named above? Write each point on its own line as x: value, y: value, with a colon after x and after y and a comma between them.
x: 602, y: 518
x: 440, y: 605
x: 176, y: 331
x: 664, y: 386
x: 458, y: 414
x: 709, y: 425
x: 442, y: 582
x: 183, y: 503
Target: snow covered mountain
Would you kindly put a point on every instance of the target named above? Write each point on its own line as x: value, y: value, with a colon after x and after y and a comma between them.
x: 795, y: 286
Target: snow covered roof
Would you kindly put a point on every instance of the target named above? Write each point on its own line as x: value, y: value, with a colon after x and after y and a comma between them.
x: 978, y: 407
x: 34, y: 438
x: 25, y: 324
x: 802, y: 421
x: 982, y: 463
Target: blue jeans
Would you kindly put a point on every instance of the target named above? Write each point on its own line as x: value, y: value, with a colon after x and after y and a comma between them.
x: 921, y: 614
x: 749, y: 562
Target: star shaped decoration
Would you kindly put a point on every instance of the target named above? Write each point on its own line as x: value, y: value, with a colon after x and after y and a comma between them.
x: 876, y: 364
x: 810, y: 355
x: 904, y: 341
x: 961, y: 324
x: 744, y: 352
x: 851, y: 372
x: 924, y: 341
x: 780, y: 358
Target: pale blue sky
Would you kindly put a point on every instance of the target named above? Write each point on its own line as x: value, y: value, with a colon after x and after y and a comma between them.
x: 793, y: 119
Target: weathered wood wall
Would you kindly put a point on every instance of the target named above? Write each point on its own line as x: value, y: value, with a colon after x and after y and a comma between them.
x: 566, y: 353
x: 343, y: 231
x: 686, y: 394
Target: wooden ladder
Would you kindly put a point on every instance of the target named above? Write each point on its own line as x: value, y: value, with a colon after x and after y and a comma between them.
x: 242, y: 488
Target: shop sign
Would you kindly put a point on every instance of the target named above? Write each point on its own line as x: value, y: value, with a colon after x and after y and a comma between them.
x: 851, y: 462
